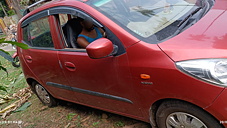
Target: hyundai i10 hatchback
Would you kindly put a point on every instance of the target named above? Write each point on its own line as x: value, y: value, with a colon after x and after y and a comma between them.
x: 161, y: 61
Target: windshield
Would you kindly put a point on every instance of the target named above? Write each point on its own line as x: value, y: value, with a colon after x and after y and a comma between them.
x: 150, y: 20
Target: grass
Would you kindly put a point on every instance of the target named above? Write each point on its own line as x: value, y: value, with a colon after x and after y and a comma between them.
x: 70, y: 116
x: 14, y: 80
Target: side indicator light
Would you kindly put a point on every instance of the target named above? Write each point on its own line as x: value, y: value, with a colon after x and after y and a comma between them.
x: 145, y: 76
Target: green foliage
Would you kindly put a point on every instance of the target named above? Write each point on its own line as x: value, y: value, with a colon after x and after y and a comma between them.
x: 21, y: 45
x: 95, y: 124
x: 119, y: 124
x: 23, y: 107
x: 70, y: 116
x: 3, y: 88
x: 11, y: 12
x: 7, y: 56
x: 14, y: 80
x: 24, y: 2
x: 2, y: 14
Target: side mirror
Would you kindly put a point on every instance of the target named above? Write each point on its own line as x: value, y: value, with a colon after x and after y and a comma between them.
x: 101, y: 48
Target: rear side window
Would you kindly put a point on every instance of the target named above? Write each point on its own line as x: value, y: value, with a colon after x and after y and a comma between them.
x: 37, y: 34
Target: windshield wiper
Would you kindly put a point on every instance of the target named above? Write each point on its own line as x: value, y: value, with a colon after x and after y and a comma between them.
x: 184, y: 22
x: 186, y: 19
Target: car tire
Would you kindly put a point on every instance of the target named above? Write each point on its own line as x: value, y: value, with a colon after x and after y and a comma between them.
x: 16, y: 62
x: 178, y: 114
x: 44, y: 96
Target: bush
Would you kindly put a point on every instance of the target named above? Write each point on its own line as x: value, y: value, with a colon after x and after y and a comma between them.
x: 11, y: 12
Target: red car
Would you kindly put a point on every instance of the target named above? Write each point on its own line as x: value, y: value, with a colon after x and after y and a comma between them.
x: 162, y: 61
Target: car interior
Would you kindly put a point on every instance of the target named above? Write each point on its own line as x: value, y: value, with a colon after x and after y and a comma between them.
x: 71, y: 29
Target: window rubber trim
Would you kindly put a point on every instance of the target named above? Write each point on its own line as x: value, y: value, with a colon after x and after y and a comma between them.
x: 71, y: 11
x: 34, y: 17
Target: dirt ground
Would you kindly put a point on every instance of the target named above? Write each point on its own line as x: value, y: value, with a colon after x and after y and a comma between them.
x: 68, y: 115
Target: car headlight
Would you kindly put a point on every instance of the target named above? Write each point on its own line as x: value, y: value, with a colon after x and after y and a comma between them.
x: 209, y: 70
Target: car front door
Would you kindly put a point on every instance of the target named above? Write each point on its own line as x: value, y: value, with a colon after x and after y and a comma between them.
x: 101, y: 83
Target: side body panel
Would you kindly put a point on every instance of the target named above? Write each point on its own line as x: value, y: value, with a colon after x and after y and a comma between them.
x: 166, y: 81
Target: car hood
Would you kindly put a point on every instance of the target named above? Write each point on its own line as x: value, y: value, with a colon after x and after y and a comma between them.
x: 205, y: 39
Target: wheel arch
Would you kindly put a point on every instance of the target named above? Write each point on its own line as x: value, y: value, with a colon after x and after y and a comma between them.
x: 154, y: 107
x: 30, y: 81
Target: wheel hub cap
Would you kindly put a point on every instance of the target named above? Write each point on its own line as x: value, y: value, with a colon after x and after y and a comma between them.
x: 42, y: 93
x: 183, y: 120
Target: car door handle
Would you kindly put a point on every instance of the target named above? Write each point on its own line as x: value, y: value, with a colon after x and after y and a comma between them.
x: 70, y: 66
x: 28, y: 58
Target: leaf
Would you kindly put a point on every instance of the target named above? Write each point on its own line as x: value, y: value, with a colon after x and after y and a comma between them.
x: 70, y: 116
x: 4, y: 69
x: 4, y: 51
x: 23, y: 107
x: 6, y: 56
x: 2, y: 88
x: 2, y: 40
x: 95, y: 123
x: 21, y: 45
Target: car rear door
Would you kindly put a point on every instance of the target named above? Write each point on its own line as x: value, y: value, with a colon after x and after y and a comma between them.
x: 42, y: 58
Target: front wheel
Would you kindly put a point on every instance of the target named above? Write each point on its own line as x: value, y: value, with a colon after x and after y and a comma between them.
x: 43, y: 95
x: 177, y: 114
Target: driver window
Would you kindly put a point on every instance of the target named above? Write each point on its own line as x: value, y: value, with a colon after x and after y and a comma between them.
x: 79, y: 32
